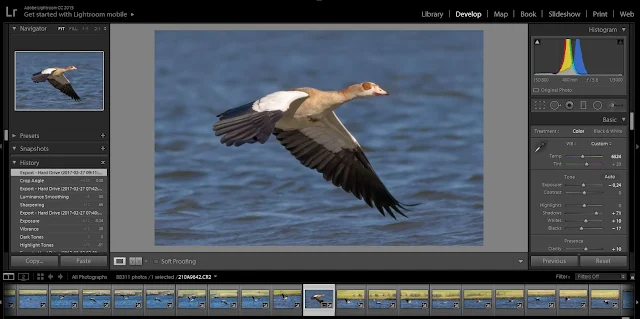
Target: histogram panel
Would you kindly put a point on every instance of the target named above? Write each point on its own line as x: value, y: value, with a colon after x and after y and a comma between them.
x: 579, y: 57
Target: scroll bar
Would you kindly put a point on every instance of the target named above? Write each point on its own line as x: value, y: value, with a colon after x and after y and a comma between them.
x: 631, y: 121
x: 6, y: 135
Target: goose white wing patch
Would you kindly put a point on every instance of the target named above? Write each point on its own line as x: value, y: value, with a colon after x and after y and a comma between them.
x: 255, y: 121
x: 277, y: 101
x: 48, y: 71
x: 42, y: 75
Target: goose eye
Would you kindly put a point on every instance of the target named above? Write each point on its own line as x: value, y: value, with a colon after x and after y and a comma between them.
x: 366, y: 86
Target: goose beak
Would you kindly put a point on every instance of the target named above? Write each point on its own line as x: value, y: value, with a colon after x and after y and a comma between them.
x: 380, y: 91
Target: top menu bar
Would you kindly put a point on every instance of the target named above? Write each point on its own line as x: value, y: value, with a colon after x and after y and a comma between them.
x: 304, y: 11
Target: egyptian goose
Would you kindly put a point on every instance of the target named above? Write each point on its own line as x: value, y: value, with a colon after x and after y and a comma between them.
x: 304, y: 122
x: 318, y: 298
x: 56, y: 77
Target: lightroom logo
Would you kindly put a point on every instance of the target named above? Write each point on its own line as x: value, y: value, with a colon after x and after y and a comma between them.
x: 12, y: 14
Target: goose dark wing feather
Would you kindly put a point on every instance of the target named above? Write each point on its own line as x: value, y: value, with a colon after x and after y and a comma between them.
x: 348, y: 169
x: 65, y: 88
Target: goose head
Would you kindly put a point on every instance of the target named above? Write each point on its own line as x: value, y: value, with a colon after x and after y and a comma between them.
x: 71, y: 68
x: 369, y: 89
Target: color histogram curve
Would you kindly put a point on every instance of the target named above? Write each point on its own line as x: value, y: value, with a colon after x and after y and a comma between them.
x: 572, y: 62
x: 578, y: 57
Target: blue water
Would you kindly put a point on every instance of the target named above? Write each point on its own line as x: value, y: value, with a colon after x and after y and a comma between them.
x: 573, y: 303
x: 353, y: 304
x: 381, y: 303
x: 87, y: 81
x: 543, y: 303
x: 99, y: 302
x: 601, y: 304
x: 8, y: 301
x: 505, y: 304
x: 425, y: 139
x: 249, y: 303
x: 127, y: 303
x: 476, y: 303
x: 218, y: 303
x: 627, y: 300
x: 33, y: 301
x: 289, y: 303
x: 445, y: 304
x: 313, y: 303
x: 414, y: 304
x: 65, y: 303
x: 162, y: 303
x: 186, y: 303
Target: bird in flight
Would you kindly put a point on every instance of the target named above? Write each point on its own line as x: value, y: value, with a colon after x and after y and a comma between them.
x: 304, y: 122
x: 319, y: 298
x: 56, y: 77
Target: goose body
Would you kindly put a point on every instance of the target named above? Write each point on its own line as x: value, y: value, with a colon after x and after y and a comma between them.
x: 55, y: 76
x: 304, y: 122
x: 318, y: 298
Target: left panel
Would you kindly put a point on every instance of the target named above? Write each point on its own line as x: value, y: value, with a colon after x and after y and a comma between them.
x: 57, y: 137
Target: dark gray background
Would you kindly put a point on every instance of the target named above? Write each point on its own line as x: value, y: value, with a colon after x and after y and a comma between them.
x: 505, y: 217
